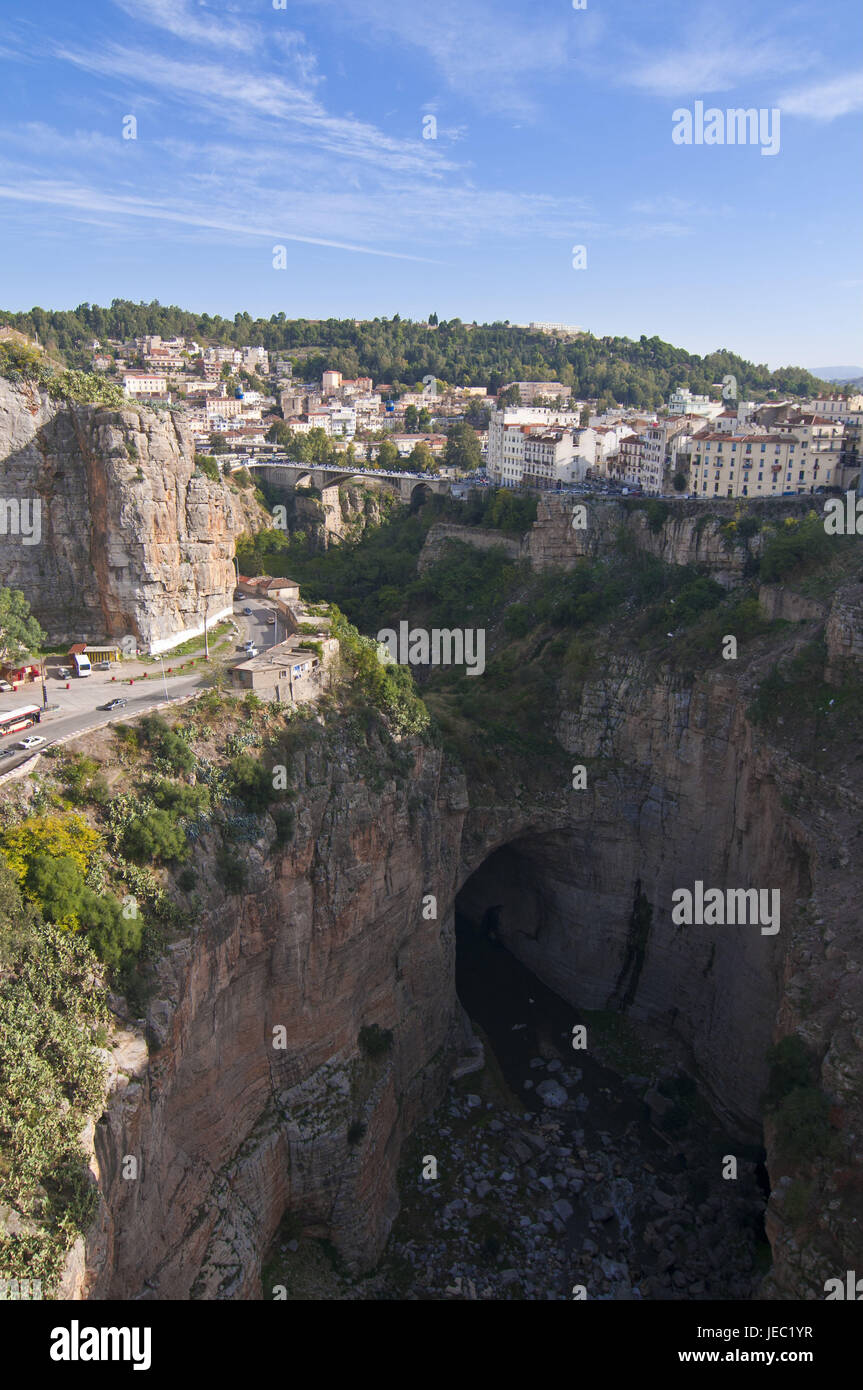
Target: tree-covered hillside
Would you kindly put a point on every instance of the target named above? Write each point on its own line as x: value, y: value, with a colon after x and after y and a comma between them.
x: 402, y: 352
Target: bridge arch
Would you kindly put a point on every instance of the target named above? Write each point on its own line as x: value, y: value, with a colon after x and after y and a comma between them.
x: 420, y: 493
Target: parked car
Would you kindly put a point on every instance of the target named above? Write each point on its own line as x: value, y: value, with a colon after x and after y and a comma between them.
x: 32, y: 741
x: 114, y: 704
x: 64, y: 674
x: 248, y: 612
x: 251, y: 651
x: 4, y: 685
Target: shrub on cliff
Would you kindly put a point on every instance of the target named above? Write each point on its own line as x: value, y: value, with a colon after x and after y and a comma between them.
x: 207, y: 465
x: 800, y: 1109
x: 155, y: 836
x: 251, y: 782
x: 803, y: 1124
x: 375, y: 1041
x: 55, y: 836
x: 169, y: 747
x: 181, y: 799
x: 387, y: 687
x: 791, y: 1065
x: 52, y: 1015
x: 794, y: 548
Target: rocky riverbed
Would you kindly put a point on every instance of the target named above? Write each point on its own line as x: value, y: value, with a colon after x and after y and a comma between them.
x: 559, y: 1174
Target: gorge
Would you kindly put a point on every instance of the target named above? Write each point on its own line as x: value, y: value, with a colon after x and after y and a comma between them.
x: 302, y: 1023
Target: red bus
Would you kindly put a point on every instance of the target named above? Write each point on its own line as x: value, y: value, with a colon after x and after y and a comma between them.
x: 17, y: 719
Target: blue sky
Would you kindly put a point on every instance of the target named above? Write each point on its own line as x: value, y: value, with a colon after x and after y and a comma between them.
x: 302, y: 126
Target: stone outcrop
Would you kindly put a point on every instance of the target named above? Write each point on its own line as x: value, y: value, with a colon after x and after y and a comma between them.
x: 133, y: 539
x: 687, y: 534
x: 481, y: 538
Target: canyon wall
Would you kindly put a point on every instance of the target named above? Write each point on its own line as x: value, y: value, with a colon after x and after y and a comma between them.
x: 133, y: 540
x: 329, y: 937
x: 230, y: 1130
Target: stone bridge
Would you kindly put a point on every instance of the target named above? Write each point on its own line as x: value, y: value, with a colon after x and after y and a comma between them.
x: 283, y: 473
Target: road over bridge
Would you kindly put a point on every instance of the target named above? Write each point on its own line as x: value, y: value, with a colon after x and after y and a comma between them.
x: 282, y: 473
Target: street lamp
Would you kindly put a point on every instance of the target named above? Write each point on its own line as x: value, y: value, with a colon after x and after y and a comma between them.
x: 164, y: 677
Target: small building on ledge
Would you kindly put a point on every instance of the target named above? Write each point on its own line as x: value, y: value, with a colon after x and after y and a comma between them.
x: 266, y: 587
x: 287, y: 671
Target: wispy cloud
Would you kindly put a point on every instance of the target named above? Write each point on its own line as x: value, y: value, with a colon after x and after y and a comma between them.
x: 229, y: 93
x: 824, y: 101
x: 708, y: 61
x: 88, y: 200
x: 176, y: 17
x: 490, y: 54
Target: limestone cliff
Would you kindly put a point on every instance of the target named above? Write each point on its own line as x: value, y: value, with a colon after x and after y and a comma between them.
x: 330, y: 937
x: 133, y: 539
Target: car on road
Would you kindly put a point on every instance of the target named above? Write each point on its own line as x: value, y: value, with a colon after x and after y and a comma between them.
x: 114, y: 704
x: 271, y: 619
x: 4, y: 686
x: 251, y: 651
x: 248, y: 612
x: 64, y: 674
x: 32, y: 741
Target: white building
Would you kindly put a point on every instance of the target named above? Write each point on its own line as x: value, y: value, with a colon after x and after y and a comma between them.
x: 145, y: 383
x: 682, y: 402
x: 505, y: 450
x: 832, y: 407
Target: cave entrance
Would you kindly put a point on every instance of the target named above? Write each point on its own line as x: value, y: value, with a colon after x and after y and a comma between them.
x: 632, y: 1154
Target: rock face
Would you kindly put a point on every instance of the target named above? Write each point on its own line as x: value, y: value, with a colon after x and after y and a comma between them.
x: 133, y: 539
x: 231, y: 1130
x: 329, y: 937
x: 481, y: 538
x: 687, y: 535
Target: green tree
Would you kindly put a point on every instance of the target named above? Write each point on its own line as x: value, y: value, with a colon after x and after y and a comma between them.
x: 218, y: 443
x: 20, y: 634
x: 388, y: 456
x: 411, y: 419
x: 421, y: 459
x: 424, y: 420
x: 463, y: 450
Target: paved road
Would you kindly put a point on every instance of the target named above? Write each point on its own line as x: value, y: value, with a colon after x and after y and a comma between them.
x: 79, y: 704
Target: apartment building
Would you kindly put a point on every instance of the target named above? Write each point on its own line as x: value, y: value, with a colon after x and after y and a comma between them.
x: 682, y: 402
x: 548, y: 457
x: 627, y: 466
x: 758, y: 465
x: 529, y: 391
x: 851, y: 453
x: 735, y: 421
x: 662, y: 442
x: 139, y: 384
x: 505, y: 447
x: 836, y: 407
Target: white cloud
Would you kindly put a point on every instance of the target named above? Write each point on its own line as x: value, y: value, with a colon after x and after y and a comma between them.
x: 824, y: 101
x: 497, y: 59
x: 232, y: 95
x: 176, y: 18
x: 92, y: 201
x: 717, y: 65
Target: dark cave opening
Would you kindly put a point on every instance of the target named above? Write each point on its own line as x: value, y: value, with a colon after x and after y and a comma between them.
x: 641, y: 1154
